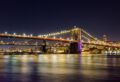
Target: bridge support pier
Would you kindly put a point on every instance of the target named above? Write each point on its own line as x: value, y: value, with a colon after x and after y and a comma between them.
x: 75, y: 48
x: 44, y: 49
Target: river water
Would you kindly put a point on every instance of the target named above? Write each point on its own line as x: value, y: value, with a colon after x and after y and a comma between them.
x: 59, y: 68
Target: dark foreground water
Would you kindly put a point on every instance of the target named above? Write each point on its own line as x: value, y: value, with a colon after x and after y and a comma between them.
x: 59, y: 68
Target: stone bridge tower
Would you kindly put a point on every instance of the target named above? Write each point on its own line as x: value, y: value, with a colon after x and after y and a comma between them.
x: 76, y: 47
x: 76, y: 34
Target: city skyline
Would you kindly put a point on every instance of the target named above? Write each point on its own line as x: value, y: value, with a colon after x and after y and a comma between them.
x: 39, y: 17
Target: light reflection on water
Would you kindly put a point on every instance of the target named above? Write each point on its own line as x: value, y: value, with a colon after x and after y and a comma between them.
x: 58, y: 68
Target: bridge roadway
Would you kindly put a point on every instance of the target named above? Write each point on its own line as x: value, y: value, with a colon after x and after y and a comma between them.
x: 51, y: 39
x: 35, y: 37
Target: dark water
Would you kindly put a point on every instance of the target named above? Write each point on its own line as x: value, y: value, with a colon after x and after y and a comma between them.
x: 59, y: 68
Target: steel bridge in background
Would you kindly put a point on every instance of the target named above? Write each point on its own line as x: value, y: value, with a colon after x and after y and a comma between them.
x: 76, y: 38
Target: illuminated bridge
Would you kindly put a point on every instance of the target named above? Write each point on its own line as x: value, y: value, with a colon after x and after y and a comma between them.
x: 75, y: 40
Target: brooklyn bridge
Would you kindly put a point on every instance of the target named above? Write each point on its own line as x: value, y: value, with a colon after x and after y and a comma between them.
x: 75, y: 40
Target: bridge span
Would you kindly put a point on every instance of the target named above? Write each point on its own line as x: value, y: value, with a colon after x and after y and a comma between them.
x: 75, y: 39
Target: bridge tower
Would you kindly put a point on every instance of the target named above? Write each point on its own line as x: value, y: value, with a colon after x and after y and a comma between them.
x: 76, y: 34
x: 75, y: 47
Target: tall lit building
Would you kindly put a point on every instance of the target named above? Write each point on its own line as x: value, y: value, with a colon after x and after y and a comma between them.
x: 105, y: 38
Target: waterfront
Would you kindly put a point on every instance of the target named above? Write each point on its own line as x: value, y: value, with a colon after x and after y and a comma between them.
x: 59, y: 68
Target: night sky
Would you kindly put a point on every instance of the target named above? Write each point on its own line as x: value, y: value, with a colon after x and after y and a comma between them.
x: 98, y: 17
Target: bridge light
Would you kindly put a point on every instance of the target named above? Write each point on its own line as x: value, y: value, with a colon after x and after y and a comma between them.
x: 24, y: 34
x: 14, y: 33
x: 88, y: 41
x: 45, y: 36
x: 58, y: 33
x: 6, y: 32
x: 39, y: 35
x: 54, y: 37
x: 62, y: 32
x: 71, y: 39
x: 1, y: 42
x: 13, y: 42
x: 31, y: 35
x: 68, y: 38
x: 60, y: 37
